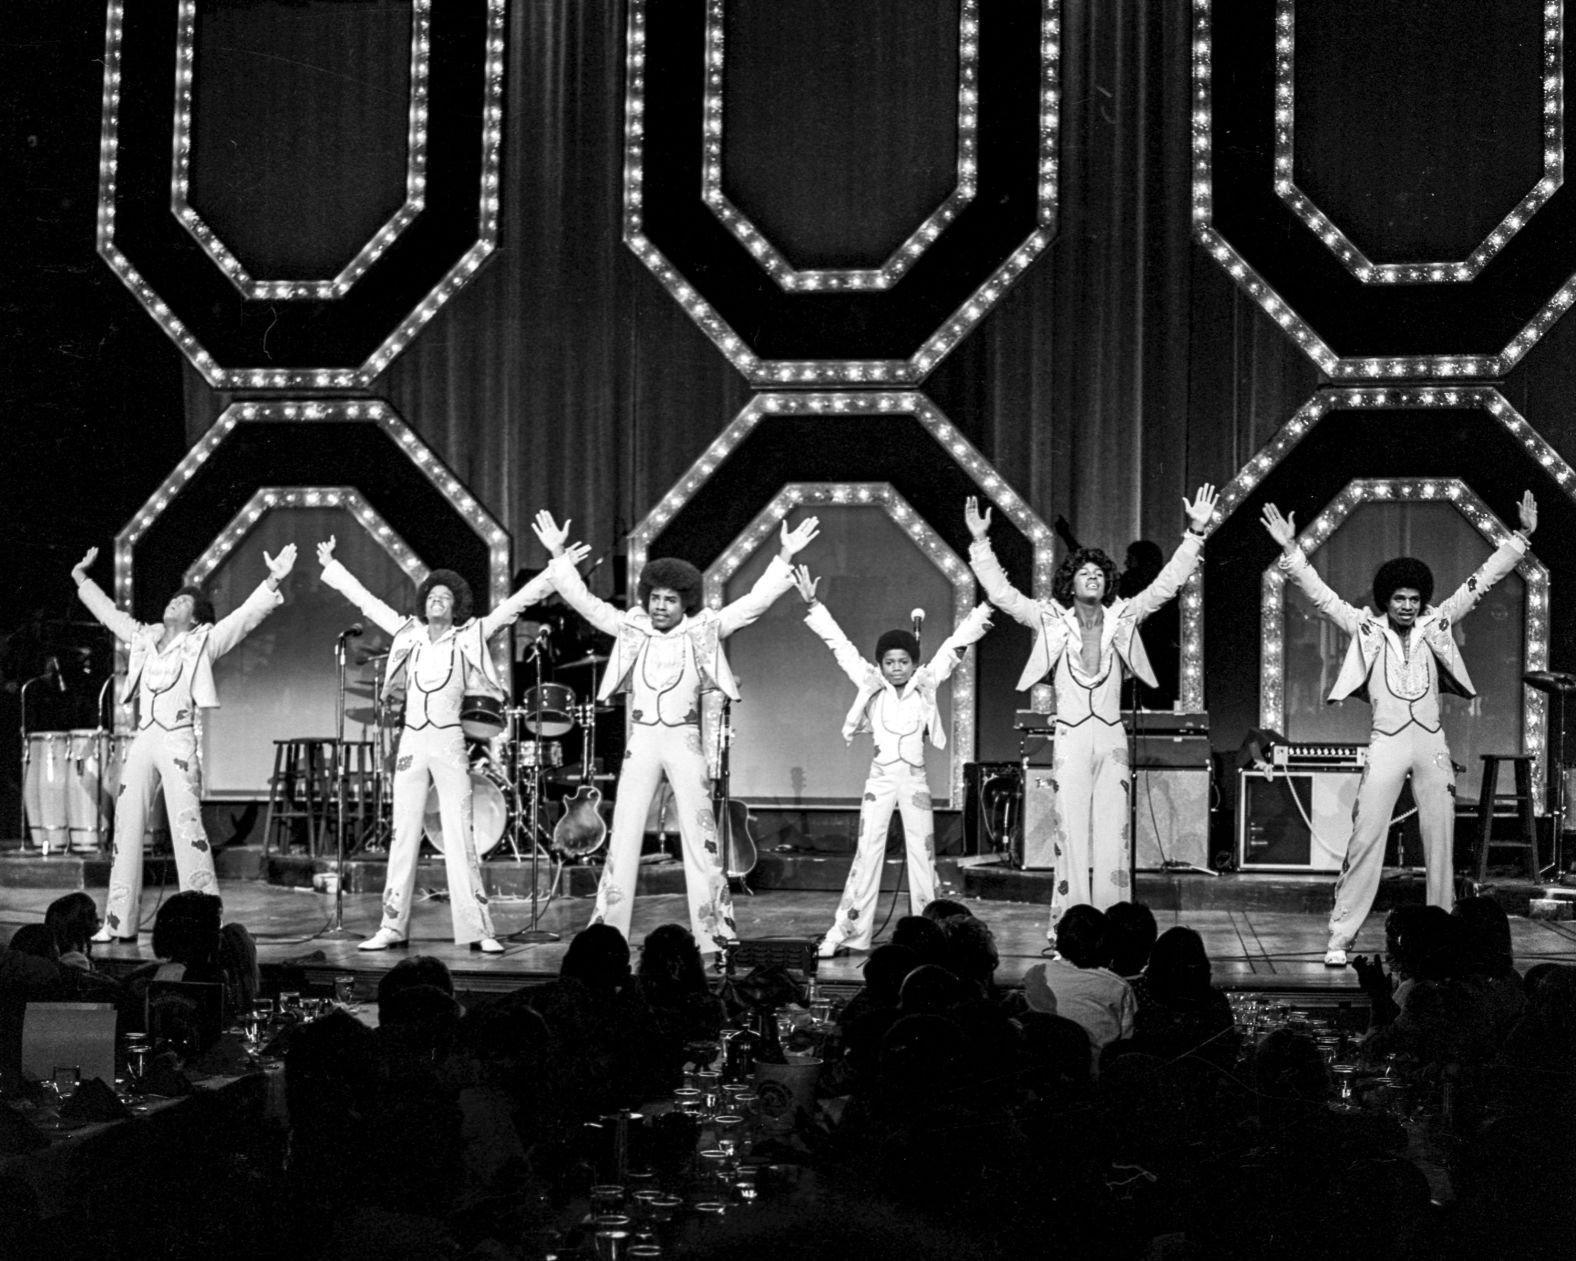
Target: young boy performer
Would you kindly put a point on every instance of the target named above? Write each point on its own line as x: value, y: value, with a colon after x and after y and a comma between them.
x: 443, y: 651
x: 896, y: 704
x: 665, y: 654
x: 1085, y: 638
x: 1387, y: 665
x: 171, y: 675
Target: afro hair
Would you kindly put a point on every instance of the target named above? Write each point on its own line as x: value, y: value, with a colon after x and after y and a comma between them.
x: 464, y: 602
x: 1062, y: 584
x: 202, y: 606
x: 898, y: 639
x: 672, y: 574
x: 1403, y: 571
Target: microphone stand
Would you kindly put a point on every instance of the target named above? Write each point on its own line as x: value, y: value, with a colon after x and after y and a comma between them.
x: 27, y: 761
x: 336, y: 930
x: 536, y: 935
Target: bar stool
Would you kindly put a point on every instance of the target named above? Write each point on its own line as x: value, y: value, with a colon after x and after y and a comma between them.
x: 1489, y: 802
x: 299, y: 792
x: 363, y: 797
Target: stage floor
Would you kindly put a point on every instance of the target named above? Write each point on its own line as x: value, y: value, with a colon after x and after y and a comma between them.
x: 1271, y: 951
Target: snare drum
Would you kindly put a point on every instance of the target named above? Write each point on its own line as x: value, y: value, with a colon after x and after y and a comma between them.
x: 489, y: 811
x: 44, y: 795
x: 482, y: 717
x: 552, y: 755
x: 549, y: 710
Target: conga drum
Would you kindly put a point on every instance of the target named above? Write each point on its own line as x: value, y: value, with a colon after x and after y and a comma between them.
x: 44, y: 790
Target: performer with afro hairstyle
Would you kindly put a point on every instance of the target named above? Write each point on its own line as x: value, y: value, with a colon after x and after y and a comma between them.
x: 442, y: 650
x: 1086, y: 639
x: 1387, y: 666
x: 896, y: 704
x: 665, y: 654
x: 170, y: 674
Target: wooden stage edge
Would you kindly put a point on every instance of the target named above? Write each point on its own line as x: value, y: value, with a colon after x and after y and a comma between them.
x: 1272, y: 951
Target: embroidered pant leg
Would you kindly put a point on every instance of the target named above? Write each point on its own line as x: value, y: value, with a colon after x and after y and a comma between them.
x: 451, y: 775
x: 1434, y: 790
x: 139, y: 780
x: 855, y: 910
x: 706, y: 883
x: 411, y: 781
x: 919, y: 837
x: 1073, y: 778
x: 1110, y: 819
x: 637, y: 784
x: 181, y: 773
x: 1389, y: 761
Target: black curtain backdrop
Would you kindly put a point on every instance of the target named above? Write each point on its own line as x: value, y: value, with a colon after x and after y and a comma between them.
x: 1122, y: 370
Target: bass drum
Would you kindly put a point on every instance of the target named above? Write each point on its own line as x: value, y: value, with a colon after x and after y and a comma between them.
x: 489, y: 812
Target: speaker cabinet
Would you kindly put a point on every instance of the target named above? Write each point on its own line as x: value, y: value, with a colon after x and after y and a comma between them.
x: 1173, y: 816
x: 1301, y: 820
x: 1039, y: 820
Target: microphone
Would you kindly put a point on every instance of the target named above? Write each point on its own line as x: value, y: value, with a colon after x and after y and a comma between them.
x: 52, y: 666
x: 917, y: 616
x: 353, y: 631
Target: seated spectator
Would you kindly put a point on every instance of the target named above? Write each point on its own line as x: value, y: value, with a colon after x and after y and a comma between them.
x: 884, y: 971
x: 1184, y: 1014
x: 930, y: 990
x: 971, y: 954
x: 1131, y: 926
x: 1534, y: 1073
x: 1489, y: 960
x: 238, y: 966
x: 35, y: 940
x: 1085, y: 990
x: 73, y: 920
x: 416, y: 970
x: 923, y: 936
x: 672, y: 980
x: 186, y: 943
x: 943, y: 909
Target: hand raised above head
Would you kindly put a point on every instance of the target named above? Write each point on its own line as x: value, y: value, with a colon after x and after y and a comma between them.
x: 325, y: 550
x: 1527, y: 510
x: 552, y: 535
x: 1282, y: 529
x: 800, y: 537
x: 86, y: 562
x: 1202, y: 508
x: 806, y: 585
x: 978, y: 522
x: 279, y: 566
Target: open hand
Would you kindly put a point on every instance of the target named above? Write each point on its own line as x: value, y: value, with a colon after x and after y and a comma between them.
x: 978, y: 522
x: 800, y: 537
x: 79, y: 570
x: 806, y: 585
x: 1528, y: 509
x: 279, y: 566
x: 325, y: 551
x: 577, y: 552
x: 1201, y: 509
x: 1282, y: 529
x: 552, y: 535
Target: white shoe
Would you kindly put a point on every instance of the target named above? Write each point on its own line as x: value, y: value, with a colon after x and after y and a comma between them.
x: 827, y: 949
x: 384, y: 939
x: 1335, y: 957
x: 487, y: 946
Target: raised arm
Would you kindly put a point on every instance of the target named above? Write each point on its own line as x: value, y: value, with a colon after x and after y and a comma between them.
x: 1296, y: 567
x: 1506, y: 557
x: 982, y: 560
x: 818, y: 619
x: 564, y: 576
x: 776, y: 580
x: 1183, y: 561
x: 343, y: 581
x: 535, y: 591
x: 117, y: 621
x: 236, y: 625
x: 969, y: 631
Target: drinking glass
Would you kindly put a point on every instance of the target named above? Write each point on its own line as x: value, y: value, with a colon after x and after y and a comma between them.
x: 65, y: 1078
x: 345, y: 989
x: 607, y: 1197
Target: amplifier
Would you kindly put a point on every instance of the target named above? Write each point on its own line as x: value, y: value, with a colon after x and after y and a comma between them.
x: 1147, y: 720
x: 1321, y: 755
x: 1173, y: 817
x: 1298, y: 820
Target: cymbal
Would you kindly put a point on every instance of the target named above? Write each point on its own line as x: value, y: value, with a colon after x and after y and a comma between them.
x: 1557, y: 681
x: 590, y: 659
x: 359, y: 689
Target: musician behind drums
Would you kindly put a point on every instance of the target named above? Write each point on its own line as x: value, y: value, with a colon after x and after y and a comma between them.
x: 665, y: 654
x: 442, y: 651
x: 171, y: 677
x: 896, y: 704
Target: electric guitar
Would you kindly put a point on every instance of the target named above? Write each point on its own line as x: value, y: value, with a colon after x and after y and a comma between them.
x: 581, y: 829
x: 737, y: 844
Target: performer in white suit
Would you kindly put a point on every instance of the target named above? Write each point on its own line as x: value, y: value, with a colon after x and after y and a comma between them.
x: 1387, y: 665
x: 896, y: 704
x: 443, y: 652
x: 665, y: 654
x: 171, y: 675
x: 1086, y: 639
